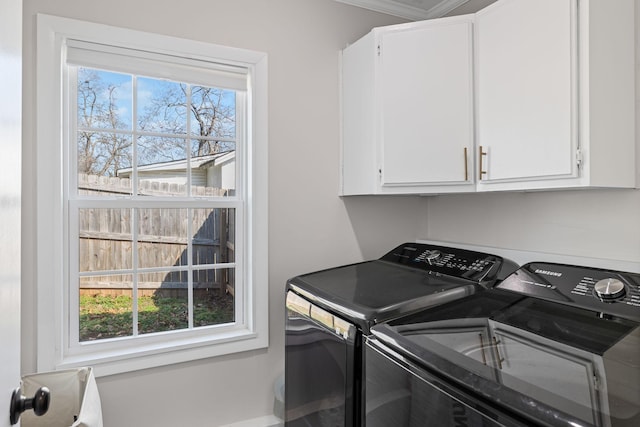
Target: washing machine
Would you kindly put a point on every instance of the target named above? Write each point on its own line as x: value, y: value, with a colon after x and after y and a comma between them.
x: 552, y: 345
x: 331, y: 312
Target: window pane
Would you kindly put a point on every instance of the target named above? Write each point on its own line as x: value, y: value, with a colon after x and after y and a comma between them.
x: 207, y: 146
x: 162, y: 166
x: 213, y: 112
x: 162, y: 302
x: 105, y: 239
x: 161, y: 153
x: 162, y: 237
x: 104, y: 99
x: 162, y: 106
x: 213, y: 175
x: 105, y: 307
x: 231, y: 218
x: 213, y: 305
x: 104, y: 163
x: 211, y: 238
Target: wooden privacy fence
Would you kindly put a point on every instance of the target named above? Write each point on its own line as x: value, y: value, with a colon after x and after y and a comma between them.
x: 95, y: 184
x: 106, y: 241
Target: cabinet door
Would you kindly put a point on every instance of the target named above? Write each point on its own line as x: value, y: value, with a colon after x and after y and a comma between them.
x: 425, y: 96
x: 526, y: 90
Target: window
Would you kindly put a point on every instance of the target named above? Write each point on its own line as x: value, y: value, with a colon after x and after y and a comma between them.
x: 151, y: 155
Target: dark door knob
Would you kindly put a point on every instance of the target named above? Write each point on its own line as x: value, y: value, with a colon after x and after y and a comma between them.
x: 39, y: 403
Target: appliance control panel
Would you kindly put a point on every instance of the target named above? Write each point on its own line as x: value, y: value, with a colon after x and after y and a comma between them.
x: 605, y: 291
x: 440, y: 260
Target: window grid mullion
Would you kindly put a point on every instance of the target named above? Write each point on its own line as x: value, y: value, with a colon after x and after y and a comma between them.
x: 190, y: 304
x: 199, y: 267
x: 146, y: 202
x: 134, y: 211
x: 188, y: 140
x: 134, y: 135
x: 158, y: 134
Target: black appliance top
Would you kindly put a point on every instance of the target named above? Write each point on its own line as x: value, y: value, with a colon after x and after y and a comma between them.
x: 606, y: 291
x: 556, y: 344
x: 410, y: 277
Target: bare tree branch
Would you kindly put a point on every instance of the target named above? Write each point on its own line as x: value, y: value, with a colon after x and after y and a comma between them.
x: 211, y: 112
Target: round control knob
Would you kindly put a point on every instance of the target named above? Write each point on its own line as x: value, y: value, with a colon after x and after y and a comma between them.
x: 432, y: 255
x: 608, y: 289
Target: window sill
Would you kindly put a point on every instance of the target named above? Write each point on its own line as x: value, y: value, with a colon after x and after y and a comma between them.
x: 111, y: 362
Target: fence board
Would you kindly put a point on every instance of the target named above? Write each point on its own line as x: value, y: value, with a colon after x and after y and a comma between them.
x: 106, y: 238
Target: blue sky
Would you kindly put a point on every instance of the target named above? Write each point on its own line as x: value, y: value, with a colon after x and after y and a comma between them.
x: 146, y: 87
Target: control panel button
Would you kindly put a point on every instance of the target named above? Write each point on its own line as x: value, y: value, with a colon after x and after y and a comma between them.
x: 432, y: 255
x: 614, y: 293
x: 453, y: 262
x: 608, y: 289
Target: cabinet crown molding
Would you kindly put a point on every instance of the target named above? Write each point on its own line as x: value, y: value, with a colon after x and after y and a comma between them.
x: 415, y: 10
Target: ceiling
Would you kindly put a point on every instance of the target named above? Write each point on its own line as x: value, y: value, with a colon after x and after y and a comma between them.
x: 416, y: 10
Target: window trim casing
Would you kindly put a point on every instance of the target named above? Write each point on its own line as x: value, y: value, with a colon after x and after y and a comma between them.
x: 52, y: 33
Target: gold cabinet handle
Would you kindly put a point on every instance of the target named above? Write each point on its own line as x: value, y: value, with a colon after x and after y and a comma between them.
x: 466, y: 165
x: 480, y: 168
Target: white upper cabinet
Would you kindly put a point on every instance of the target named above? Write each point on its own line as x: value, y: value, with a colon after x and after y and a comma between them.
x: 426, y: 104
x: 408, y: 109
x: 555, y: 94
x: 523, y: 95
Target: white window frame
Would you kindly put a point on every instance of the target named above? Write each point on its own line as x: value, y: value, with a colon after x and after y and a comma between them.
x: 250, y: 331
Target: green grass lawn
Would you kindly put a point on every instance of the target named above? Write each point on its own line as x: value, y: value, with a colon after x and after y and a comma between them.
x: 104, y: 316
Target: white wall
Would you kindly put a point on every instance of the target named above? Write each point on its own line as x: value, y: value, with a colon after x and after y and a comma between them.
x: 309, y: 228
x: 590, y: 223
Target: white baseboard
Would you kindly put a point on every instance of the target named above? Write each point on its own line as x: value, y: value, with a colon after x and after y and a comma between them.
x: 266, y: 421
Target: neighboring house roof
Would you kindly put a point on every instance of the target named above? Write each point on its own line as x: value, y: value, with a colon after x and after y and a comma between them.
x: 178, y: 165
x: 219, y: 159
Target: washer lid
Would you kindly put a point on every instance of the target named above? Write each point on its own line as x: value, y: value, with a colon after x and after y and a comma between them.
x: 539, y: 358
x: 410, y: 277
x: 374, y: 291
